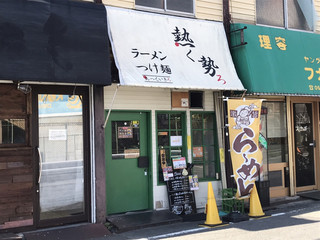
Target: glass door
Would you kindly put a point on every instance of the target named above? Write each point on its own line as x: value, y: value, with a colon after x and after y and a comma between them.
x: 304, y: 145
x: 61, y: 149
x: 274, y: 130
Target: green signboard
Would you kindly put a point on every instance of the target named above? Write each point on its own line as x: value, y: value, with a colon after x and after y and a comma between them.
x: 277, y: 61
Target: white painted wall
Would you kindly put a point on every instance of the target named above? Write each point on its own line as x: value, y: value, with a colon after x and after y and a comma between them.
x: 157, y: 99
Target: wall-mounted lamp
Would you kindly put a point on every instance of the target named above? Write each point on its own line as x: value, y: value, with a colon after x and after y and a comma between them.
x: 25, y: 88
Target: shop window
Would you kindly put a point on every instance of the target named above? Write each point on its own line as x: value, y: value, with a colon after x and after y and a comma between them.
x: 275, y: 131
x: 274, y: 143
x: 171, y: 139
x: 14, y: 119
x: 125, y: 139
x: 204, y: 146
x: 12, y: 131
x: 184, y: 6
x: 276, y: 178
x: 295, y: 14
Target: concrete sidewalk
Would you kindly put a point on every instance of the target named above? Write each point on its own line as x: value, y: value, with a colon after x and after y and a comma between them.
x: 277, y: 208
x: 159, y: 226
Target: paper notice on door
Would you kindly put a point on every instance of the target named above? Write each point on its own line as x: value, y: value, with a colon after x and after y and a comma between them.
x: 57, y: 134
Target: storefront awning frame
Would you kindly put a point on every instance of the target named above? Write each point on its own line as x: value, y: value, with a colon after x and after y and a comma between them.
x: 276, y: 61
x: 157, y: 50
x: 62, y: 41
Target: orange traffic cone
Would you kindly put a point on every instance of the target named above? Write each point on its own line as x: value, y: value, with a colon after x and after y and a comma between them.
x: 212, y: 213
x: 255, y: 205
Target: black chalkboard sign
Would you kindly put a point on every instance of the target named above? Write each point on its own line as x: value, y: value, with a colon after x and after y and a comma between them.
x: 181, y: 198
x: 178, y: 184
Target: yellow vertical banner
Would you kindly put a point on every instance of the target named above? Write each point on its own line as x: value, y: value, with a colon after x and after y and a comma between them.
x: 244, y: 126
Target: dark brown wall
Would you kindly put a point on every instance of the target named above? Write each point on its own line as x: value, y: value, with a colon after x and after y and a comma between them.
x: 16, y: 184
x: 16, y: 165
x: 12, y: 101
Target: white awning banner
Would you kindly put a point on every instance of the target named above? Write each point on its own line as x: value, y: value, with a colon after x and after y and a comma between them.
x: 156, y: 50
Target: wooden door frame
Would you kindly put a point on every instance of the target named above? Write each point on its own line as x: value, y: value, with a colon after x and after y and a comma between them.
x: 279, y: 191
x: 316, y: 136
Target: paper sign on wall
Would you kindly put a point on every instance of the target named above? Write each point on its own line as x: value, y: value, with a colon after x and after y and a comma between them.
x: 176, y: 141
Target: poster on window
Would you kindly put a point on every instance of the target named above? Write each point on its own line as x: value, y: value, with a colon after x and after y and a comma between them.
x: 197, y: 152
x: 176, y: 141
x: 179, y: 163
x: 193, y: 182
x: 167, y: 173
x: 125, y: 132
x: 53, y: 104
x: 244, y: 126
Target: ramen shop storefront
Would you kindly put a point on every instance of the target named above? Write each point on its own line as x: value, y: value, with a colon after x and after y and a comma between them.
x: 172, y: 71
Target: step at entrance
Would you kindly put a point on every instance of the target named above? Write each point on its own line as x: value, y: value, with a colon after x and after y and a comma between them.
x: 131, y: 221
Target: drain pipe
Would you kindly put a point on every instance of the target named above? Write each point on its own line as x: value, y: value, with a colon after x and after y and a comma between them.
x: 226, y: 165
x: 93, y: 164
x: 226, y: 19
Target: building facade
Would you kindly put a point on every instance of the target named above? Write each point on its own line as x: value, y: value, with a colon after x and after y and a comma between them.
x: 54, y: 65
x: 73, y: 150
x: 179, y: 113
x: 274, y: 48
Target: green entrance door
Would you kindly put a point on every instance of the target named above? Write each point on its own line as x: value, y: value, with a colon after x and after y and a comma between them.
x: 127, y: 171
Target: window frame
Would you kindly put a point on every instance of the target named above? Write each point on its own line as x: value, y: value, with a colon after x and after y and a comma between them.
x: 192, y: 96
x: 26, y: 131
x: 184, y: 151
x: 135, y: 137
x: 273, y: 167
x: 167, y: 11
x: 215, y: 144
x: 285, y: 19
x: 17, y: 109
x: 268, y: 138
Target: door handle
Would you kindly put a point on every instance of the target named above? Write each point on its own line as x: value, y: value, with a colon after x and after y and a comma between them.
x: 40, y: 165
x: 313, y: 144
